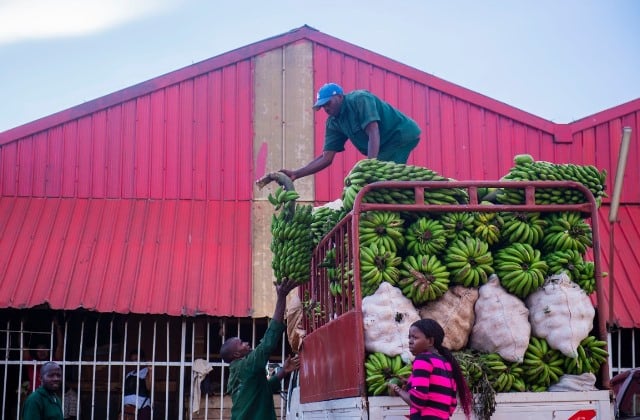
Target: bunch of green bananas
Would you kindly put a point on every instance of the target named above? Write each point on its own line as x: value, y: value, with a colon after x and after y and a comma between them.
x: 426, y: 236
x: 503, y: 376
x: 524, y: 227
x: 520, y: 268
x: 291, y: 242
x: 423, y: 278
x: 383, y: 228
x: 471, y: 365
x: 543, y: 365
x: 526, y: 169
x: 324, y: 219
x: 458, y: 225
x: 567, y: 230
x: 586, y: 277
x: 469, y: 262
x: 382, y: 370
x: 377, y: 264
x: 368, y: 171
x: 570, y: 261
x: 487, y: 226
x: 340, y: 276
x: 592, y: 354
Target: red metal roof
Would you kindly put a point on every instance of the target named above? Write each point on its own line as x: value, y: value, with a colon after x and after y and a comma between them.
x: 126, y: 255
x: 626, y: 268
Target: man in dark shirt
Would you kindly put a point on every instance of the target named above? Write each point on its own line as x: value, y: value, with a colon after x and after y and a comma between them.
x: 376, y: 129
x: 251, y: 391
x: 44, y: 403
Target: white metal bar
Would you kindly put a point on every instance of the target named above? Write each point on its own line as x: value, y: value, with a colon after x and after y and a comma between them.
x: 6, y: 357
x: 110, y: 362
x: 182, y: 351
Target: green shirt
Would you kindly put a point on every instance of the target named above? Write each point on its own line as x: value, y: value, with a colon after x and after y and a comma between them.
x: 42, y: 405
x: 359, y: 109
x: 251, y: 392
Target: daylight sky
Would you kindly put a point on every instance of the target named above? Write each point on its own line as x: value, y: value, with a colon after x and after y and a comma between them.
x: 558, y: 59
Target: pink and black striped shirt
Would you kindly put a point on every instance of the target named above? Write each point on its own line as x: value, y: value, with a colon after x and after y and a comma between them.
x: 432, y: 387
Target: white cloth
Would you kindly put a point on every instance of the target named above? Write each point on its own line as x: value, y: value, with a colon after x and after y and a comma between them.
x: 199, y: 370
x: 137, y: 400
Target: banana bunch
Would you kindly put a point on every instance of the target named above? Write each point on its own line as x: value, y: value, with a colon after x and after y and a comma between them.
x: 457, y: 225
x: 526, y: 169
x: 592, y: 354
x: 543, y: 365
x: 377, y: 264
x: 524, y: 227
x: 426, y: 236
x: 368, y: 171
x: 284, y: 200
x: 586, y: 277
x: 520, y: 268
x: 469, y: 262
x: 570, y: 261
x: 423, y: 278
x: 324, y: 219
x: 383, y: 228
x: 382, y: 369
x: 487, y: 226
x: 567, y: 230
x: 291, y: 244
x: 503, y: 376
x: 340, y: 276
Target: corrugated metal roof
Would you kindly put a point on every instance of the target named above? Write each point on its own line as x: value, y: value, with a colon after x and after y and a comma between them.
x: 626, y: 265
x: 176, y: 257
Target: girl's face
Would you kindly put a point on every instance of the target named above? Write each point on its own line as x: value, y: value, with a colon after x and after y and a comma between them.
x: 418, y: 342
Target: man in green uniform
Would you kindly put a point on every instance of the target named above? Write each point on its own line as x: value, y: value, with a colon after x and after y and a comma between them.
x: 251, y: 391
x: 44, y: 403
x: 376, y: 129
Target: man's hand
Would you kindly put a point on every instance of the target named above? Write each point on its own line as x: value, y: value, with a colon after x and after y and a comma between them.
x: 291, y: 363
x: 285, y: 287
x: 289, y: 173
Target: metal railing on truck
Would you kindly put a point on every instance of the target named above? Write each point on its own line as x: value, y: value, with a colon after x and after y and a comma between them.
x: 332, y: 358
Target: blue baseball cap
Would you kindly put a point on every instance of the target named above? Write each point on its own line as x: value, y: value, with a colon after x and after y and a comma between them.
x: 325, y: 93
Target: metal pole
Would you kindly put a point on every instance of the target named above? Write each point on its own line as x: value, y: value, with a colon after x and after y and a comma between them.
x: 613, y: 213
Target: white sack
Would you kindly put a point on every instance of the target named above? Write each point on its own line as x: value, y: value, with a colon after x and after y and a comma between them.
x: 502, y: 322
x: 388, y: 314
x: 584, y: 382
x: 562, y: 313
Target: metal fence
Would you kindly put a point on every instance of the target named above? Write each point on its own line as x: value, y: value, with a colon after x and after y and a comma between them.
x: 95, y: 352
x: 624, y: 349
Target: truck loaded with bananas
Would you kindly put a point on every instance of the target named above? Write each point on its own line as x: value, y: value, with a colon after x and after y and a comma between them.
x: 508, y: 268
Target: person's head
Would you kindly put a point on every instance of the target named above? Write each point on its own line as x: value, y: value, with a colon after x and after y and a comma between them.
x: 425, y: 335
x: 329, y: 98
x: 51, y: 376
x: 133, y: 355
x: 41, y: 352
x: 233, y: 349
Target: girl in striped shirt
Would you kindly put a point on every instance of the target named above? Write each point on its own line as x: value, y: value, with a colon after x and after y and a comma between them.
x: 436, y: 377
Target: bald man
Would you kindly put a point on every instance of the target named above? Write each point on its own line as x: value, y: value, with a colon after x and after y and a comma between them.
x: 44, y: 402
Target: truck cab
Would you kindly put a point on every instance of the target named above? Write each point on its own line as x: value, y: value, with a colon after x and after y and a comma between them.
x: 626, y: 388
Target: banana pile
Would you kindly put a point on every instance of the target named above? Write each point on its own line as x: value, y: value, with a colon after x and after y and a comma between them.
x: 543, y: 364
x: 591, y: 354
x: 567, y: 230
x: 324, y: 219
x: 523, y: 227
x: 487, y: 227
x: 423, y: 278
x: 459, y: 225
x: 377, y: 264
x: 291, y: 242
x: 368, y: 171
x: 527, y: 169
x: 426, y: 236
x: 470, y: 262
x: 382, y: 370
x: 503, y: 376
x: 520, y: 268
x: 382, y: 228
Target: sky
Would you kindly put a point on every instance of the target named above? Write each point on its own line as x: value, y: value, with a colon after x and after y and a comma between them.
x: 561, y: 60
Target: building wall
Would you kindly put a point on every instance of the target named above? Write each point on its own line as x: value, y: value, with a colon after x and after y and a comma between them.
x: 283, y: 138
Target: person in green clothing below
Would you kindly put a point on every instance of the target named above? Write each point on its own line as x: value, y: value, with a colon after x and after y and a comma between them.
x: 376, y: 129
x: 44, y: 403
x: 251, y: 391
